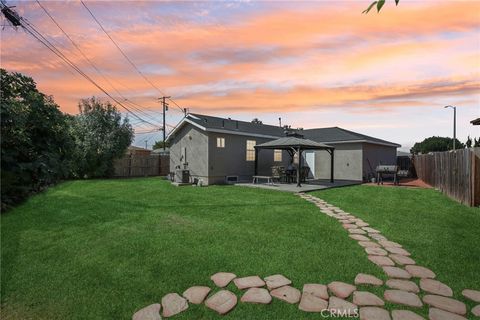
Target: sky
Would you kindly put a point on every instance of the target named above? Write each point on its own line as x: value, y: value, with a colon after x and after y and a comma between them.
x: 314, y: 63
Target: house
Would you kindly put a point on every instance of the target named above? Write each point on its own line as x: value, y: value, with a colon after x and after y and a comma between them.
x: 218, y: 150
x: 133, y: 150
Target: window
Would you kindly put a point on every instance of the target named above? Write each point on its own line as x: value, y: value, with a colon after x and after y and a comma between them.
x: 220, y: 142
x: 251, y: 150
x: 277, y: 155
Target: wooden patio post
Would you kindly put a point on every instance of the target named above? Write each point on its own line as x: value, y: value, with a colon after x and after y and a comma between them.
x: 331, y: 165
x: 299, y: 166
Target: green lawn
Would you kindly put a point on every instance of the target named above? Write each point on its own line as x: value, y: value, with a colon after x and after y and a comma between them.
x: 101, y: 249
x: 441, y: 234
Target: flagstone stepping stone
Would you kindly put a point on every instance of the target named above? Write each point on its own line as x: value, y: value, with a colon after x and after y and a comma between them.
x: 340, y: 306
x: 444, y: 303
x: 196, y: 294
x: 377, y: 236
x: 151, y: 312
x: 222, y: 279
x: 396, y: 272
x: 473, y: 295
x: 318, y: 290
x: 387, y: 243
x: 276, y: 281
x: 403, y: 297
x: 401, y: 259
x: 356, y: 231
x: 361, y: 224
x: 420, y: 272
x: 364, y: 298
x: 363, y: 278
x: 256, y: 295
x: 381, y: 261
x: 376, y: 251
x: 248, y: 282
x: 404, y: 285
x: 312, y: 303
x: 369, y: 244
x: 222, y: 302
x: 341, y: 289
x: 374, y: 313
x: 370, y: 230
x: 173, y: 304
x: 397, y: 250
x: 405, y: 315
x: 435, y: 287
x: 438, y: 314
x: 359, y: 237
x: 349, y: 226
x: 287, y: 293
x: 476, y: 311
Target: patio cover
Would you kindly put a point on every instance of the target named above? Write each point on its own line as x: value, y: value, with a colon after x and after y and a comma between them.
x: 295, y: 144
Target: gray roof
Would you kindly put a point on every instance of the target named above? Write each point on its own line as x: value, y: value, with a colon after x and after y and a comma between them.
x: 288, y: 142
x: 330, y: 135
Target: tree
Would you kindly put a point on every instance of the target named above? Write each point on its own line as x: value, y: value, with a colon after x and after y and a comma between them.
x: 436, y: 144
x: 100, y: 136
x: 469, y: 142
x: 35, y: 142
x: 159, y: 145
x: 379, y: 4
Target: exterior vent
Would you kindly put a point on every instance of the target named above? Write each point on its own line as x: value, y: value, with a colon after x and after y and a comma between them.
x: 231, y: 179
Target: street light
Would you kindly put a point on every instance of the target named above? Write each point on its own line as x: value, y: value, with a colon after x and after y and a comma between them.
x: 454, y: 124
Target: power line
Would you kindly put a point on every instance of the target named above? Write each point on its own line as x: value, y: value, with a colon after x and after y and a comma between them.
x: 133, y: 105
x: 127, y: 58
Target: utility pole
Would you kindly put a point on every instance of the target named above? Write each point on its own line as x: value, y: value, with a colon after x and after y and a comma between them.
x: 146, y: 147
x: 165, y: 108
x: 454, y: 124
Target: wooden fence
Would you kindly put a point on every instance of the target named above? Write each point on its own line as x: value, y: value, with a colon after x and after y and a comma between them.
x: 140, y: 165
x: 457, y: 174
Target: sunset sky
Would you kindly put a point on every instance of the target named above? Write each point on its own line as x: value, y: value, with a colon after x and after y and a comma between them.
x: 315, y: 63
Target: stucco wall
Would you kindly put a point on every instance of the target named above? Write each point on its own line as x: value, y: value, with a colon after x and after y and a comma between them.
x: 377, y: 154
x: 347, y: 162
x: 195, y: 143
x: 231, y: 160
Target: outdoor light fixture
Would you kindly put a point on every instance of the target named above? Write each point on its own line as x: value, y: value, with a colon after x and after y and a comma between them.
x: 454, y: 124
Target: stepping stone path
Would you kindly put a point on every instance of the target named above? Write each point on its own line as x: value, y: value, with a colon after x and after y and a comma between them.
x: 222, y: 302
x: 444, y: 303
x: 318, y: 290
x: 363, y: 278
x: 473, y: 295
x: 437, y: 314
x: 404, y: 285
x: 405, y: 315
x: 276, y: 281
x: 152, y: 312
x: 396, y: 272
x: 403, y: 297
x: 435, y: 287
x: 248, y: 282
x: 401, y: 259
x: 312, y: 303
x: 341, y: 289
x: 476, y: 311
x: 222, y: 279
x: 196, y: 294
x: 340, y: 306
x: 257, y: 295
x: 420, y: 272
x: 374, y: 313
x: 386, y: 254
x: 287, y: 294
x: 173, y: 304
x: 364, y: 298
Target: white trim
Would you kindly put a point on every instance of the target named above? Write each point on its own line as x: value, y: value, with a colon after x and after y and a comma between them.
x: 363, y: 141
x: 181, y: 123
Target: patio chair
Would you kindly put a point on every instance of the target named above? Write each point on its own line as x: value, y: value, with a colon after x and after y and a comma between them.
x: 277, y: 173
x: 304, y: 174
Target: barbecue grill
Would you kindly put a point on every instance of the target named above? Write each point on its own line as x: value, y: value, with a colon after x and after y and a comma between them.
x: 387, y: 169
